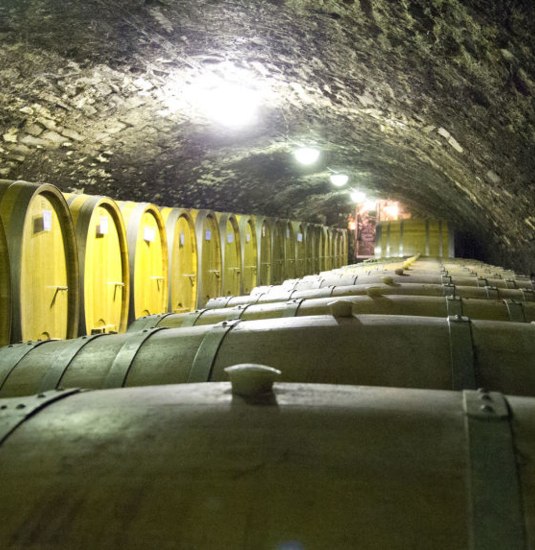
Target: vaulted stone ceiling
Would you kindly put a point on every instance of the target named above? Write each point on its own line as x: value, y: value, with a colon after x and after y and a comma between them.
x: 428, y: 101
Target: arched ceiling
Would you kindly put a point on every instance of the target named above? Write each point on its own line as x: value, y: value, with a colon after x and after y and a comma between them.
x: 431, y: 102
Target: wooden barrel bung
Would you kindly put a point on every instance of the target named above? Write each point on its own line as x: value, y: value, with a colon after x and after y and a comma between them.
x: 103, y: 261
x: 148, y: 257
x: 183, y: 262
x: 43, y: 261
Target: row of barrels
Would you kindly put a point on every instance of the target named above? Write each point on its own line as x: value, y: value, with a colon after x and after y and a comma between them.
x: 429, y: 237
x: 301, y: 450
x: 414, y: 336
x: 77, y: 264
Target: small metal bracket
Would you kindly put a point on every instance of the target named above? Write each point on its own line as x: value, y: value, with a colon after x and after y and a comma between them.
x: 12, y: 355
x: 492, y: 292
x: 515, y: 311
x: 510, y: 283
x: 454, y: 306
x: 120, y: 367
x: 203, y: 362
x: 292, y: 307
x: 495, y: 502
x: 446, y: 279
x: 461, y: 353
x: 448, y: 289
x: 62, y: 361
x: 15, y: 410
x: 482, y: 281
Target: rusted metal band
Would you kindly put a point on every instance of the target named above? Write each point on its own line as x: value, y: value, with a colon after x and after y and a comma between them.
x: 192, y: 317
x: 462, y: 358
x: 454, y: 306
x: 62, y: 361
x: 292, y: 307
x: 12, y: 355
x: 236, y: 312
x: 515, y: 311
x: 125, y: 357
x: 201, y: 368
x: 149, y: 321
x: 14, y: 411
x: 495, y: 500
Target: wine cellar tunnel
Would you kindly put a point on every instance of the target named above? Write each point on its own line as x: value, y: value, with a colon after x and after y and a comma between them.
x: 430, y: 103
x: 267, y: 274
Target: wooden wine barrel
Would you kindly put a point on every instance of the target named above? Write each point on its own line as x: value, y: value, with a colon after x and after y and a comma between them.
x: 374, y: 290
x: 229, y: 232
x: 209, y: 257
x: 404, y: 237
x: 43, y: 261
x: 349, y: 277
x: 248, y: 253
x: 278, y: 248
x: 289, y: 250
x: 5, y: 290
x: 148, y: 257
x: 183, y: 262
x: 265, y: 252
x: 386, y: 350
x: 315, y: 467
x: 299, y: 232
x: 429, y: 306
x: 103, y: 263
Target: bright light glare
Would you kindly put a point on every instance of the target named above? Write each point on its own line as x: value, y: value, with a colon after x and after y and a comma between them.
x: 229, y: 104
x: 357, y: 196
x: 369, y: 206
x: 392, y: 210
x: 339, y: 180
x: 306, y: 155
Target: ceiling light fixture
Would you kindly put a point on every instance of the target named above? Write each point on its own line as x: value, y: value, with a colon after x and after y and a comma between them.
x: 339, y: 180
x: 306, y: 155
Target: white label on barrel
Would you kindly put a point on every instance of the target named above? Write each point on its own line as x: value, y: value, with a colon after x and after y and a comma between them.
x: 248, y: 238
x: 182, y: 239
x: 300, y: 237
x: 47, y: 220
x: 208, y: 235
x: 149, y: 234
x: 230, y: 238
x: 43, y: 222
x: 102, y: 227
